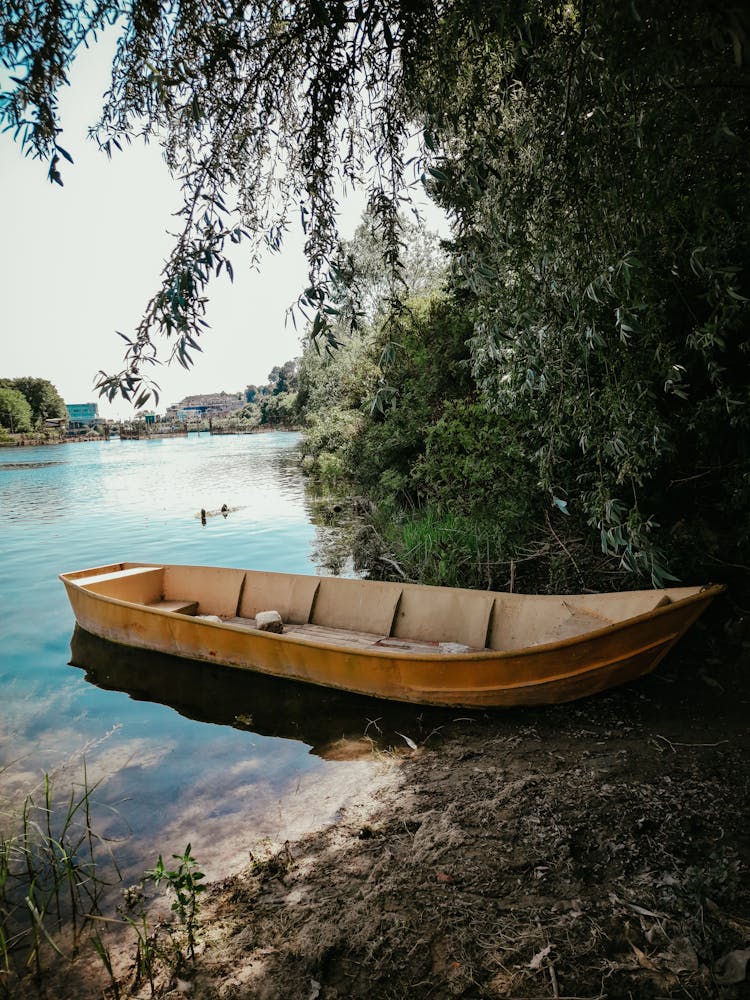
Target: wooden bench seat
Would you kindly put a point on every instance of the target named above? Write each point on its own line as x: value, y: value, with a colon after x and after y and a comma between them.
x: 179, y: 607
x: 120, y: 574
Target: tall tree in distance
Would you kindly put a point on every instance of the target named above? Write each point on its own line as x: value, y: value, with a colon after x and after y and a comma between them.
x: 43, y: 398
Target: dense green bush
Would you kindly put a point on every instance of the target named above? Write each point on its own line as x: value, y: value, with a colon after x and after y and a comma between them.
x: 430, y: 366
x: 473, y: 458
x: 601, y: 203
x: 604, y: 201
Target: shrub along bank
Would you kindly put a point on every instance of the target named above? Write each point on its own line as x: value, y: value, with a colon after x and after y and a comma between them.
x: 457, y: 475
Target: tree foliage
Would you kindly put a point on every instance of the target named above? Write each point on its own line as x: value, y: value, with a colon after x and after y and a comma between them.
x: 15, y: 412
x: 603, y: 209
x: 44, y: 400
x: 594, y: 157
x: 263, y: 110
x: 274, y: 404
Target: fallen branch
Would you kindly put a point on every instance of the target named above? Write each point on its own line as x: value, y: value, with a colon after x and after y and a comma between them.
x: 672, y: 745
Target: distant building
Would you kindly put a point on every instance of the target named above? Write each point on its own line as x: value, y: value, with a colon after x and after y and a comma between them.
x: 212, y: 404
x: 82, y: 414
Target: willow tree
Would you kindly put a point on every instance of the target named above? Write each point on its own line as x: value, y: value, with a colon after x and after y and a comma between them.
x: 603, y: 210
x: 263, y: 109
x: 594, y: 155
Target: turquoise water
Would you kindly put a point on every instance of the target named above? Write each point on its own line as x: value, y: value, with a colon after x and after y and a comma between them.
x: 165, y: 777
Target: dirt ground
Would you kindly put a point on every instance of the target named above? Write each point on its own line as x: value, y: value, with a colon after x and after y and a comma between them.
x: 599, y: 849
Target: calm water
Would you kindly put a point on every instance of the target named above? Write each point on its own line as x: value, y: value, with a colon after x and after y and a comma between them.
x: 166, y: 777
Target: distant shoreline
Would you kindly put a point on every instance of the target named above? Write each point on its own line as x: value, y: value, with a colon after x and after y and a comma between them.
x: 41, y: 440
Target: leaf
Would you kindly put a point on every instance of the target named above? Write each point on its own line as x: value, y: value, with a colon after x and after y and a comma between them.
x: 437, y: 174
x: 536, y: 962
x: 53, y: 174
x: 732, y: 968
x: 409, y: 741
x: 314, y: 990
x: 643, y: 960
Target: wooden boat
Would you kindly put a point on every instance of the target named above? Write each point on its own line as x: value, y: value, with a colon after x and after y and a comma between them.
x: 429, y: 645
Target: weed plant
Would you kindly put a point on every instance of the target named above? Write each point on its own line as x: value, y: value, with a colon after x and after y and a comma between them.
x: 53, y: 885
x: 184, y: 881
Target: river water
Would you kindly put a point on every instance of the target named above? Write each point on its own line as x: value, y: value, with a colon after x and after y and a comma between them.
x: 226, y: 761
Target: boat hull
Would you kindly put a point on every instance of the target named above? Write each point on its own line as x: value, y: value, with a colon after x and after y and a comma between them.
x: 550, y: 673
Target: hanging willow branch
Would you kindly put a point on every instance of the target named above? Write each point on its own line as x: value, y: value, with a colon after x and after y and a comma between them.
x: 263, y: 109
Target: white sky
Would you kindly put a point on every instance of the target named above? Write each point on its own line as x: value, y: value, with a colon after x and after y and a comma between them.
x: 79, y: 262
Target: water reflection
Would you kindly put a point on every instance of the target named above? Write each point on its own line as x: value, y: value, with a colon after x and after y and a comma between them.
x: 346, y: 541
x: 334, y: 724
x: 164, y: 778
x: 27, y: 465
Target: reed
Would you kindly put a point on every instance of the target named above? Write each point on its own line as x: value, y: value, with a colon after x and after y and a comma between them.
x: 50, y: 882
x: 105, y: 957
x: 147, y: 950
x: 52, y: 886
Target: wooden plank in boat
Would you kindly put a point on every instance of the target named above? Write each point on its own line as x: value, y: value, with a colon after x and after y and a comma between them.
x: 356, y: 605
x: 334, y: 636
x: 291, y: 596
x: 431, y: 614
x: 409, y: 645
x: 349, y: 637
x: 216, y: 590
x: 318, y: 633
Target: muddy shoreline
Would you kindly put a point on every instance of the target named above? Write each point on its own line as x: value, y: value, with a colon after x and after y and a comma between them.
x: 599, y: 849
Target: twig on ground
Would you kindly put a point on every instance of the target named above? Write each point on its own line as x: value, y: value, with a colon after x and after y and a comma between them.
x: 671, y: 744
x: 553, y: 977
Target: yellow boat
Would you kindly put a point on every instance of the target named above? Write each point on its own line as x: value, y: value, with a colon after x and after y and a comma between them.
x: 427, y: 645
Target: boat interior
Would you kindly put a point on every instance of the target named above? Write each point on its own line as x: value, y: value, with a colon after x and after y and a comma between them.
x: 370, y: 614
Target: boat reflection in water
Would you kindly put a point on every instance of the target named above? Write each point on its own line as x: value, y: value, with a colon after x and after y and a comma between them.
x: 334, y: 724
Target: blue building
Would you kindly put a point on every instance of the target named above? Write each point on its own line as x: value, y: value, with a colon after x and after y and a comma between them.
x: 84, y: 414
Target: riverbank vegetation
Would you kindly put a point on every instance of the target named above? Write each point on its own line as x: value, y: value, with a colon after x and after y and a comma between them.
x: 580, y: 479
x: 569, y: 409
x: 273, y: 405
x: 593, y: 161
